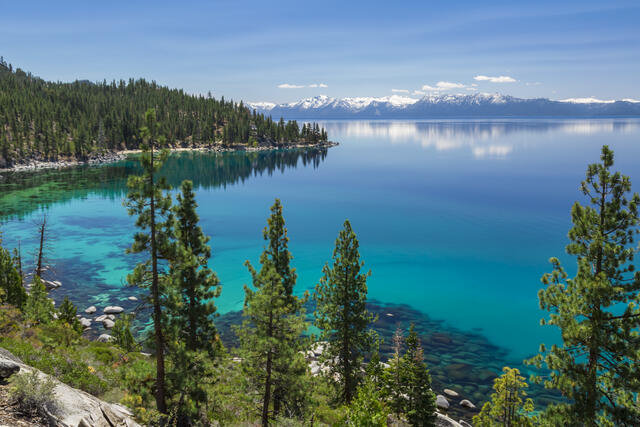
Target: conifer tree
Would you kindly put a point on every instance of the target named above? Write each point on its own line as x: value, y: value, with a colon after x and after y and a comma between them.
x: 420, y: 399
x: 270, y: 335
x: 68, y: 313
x: 147, y: 199
x: 597, y: 366
x: 39, y: 308
x: 122, y: 335
x: 341, y: 313
x: 509, y: 405
x: 13, y: 291
x: 196, y: 285
x: 191, y: 307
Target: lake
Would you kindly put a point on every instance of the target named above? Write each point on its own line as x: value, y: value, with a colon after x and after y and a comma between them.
x: 456, y: 219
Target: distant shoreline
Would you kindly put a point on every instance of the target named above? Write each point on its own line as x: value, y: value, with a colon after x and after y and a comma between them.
x: 115, y: 156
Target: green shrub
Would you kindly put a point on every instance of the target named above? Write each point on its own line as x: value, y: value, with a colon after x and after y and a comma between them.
x: 34, y: 393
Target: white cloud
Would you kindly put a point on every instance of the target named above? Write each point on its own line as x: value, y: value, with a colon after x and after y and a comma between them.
x: 428, y: 88
x: 399, y: 91
x: 470, y: 88
x: 498, y: 79
x: 318, y: 85
x: 290, y: 86
x: 449, y: 85
x: 419, y: 92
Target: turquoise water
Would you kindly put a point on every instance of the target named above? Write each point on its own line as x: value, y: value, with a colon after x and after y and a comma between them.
x: 456, y: 219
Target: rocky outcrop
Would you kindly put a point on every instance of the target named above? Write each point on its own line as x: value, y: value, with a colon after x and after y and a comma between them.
x: 75, y: 408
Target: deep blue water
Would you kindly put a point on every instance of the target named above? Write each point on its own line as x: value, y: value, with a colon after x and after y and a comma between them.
x: 456, y: 219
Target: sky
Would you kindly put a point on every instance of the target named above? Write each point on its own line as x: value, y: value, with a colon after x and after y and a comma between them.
x: 283, y: 51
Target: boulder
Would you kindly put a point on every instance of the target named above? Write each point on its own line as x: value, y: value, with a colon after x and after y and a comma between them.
x: 463, y: 423
x: 133, y: 298
x: 8, y: 368
x: 85, y: 322
x: 91, y: 310
x: 111, y: 316
x: 467, y: 404
x: 101, y: 318
x: 444, y: 421
x: 450, y: 392
x: 113, y: 309
x: 108, y: 323
x: 442, y: 402
x: 104, y: 338
x: 77, y: 408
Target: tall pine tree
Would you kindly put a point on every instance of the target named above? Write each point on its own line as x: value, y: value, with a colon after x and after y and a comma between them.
x: 190, y: 308
x: 341, y: 313
x: 597, y: 366
x: 149, y: 201
x: 270, y: 335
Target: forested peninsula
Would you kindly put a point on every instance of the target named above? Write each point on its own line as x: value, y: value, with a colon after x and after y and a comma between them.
x: 52, y: 121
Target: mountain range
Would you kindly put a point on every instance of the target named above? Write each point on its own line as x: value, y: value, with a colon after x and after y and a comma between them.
x: 474, y: 105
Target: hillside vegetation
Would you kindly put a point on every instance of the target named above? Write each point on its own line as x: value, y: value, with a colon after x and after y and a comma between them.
x: 42, y: 120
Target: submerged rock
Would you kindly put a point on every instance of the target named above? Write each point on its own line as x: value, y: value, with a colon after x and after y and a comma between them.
x: 101, y: 318
x: 133, y: 298
x: 113, y: 309
x: 108, y: 323
x: 91, y: 310
x: 467, y: 404
x: 450, y: 392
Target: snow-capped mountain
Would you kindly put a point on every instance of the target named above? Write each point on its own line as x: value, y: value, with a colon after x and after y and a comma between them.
x: 475, y: 105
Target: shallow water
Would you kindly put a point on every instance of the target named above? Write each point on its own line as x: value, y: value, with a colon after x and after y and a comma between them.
x: 456, y: 219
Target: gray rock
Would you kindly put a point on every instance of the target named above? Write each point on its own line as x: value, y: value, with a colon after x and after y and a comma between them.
x: 444, y: 421
x: 113, y: 309
x: 133, y: 298
x: 101, y: 318
x: 463, y: 423
x: 467, y: 404
x: 442, y: 402
x: 108, y: 323
x: 75, y: 407
x: 450, y: 392
x: 85, y: 322
x: 8, y: 368
x: 104, y: 338
x: 111, y: 317
x: 91, y: 310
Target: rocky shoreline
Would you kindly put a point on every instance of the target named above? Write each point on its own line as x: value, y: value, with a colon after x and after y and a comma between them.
x: 111, y: 157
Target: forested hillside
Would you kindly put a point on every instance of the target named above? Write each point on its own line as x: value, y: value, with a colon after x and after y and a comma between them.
x: 48, y: 120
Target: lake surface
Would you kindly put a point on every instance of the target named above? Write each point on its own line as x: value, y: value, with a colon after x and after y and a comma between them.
x: 456, y: 219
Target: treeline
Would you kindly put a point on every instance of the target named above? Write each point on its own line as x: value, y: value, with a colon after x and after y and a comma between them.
x: 48, y: 120
x: 194, y: 380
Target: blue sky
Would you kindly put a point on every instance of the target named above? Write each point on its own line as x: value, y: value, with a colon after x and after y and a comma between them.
x: 246, y: 50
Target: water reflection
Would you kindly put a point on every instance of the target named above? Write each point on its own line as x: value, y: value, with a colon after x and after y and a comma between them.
x: 24, y: 192
x: 482, y: 138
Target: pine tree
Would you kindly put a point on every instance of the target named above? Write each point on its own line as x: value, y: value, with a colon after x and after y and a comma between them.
x: 191, y: 308
x: 597, y: 365
x: 122, y: 335
x: 147, y: 200
x: 196, y: 285
x: 39, y: 308
x: 270, y: 335
x: 67, y: 313
x: 341, y: 313
x: 421, y: 401
x: 10, y: 280
x: 509, y: 405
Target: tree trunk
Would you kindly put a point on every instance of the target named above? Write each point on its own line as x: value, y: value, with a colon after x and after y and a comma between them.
x: 267, y: 381
x: 157, y: 310
x: 41, y: 249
